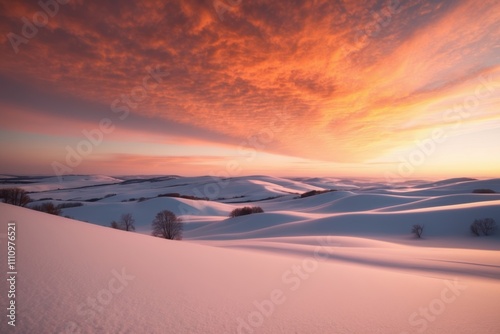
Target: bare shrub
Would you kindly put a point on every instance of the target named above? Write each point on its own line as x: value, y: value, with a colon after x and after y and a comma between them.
x: 48, y: 207
x: 485, y: 226
x: 247, y: 210
x: 315, y: 192
x: 167, y: 225
x: 417, y: 229
x: 15, y: 196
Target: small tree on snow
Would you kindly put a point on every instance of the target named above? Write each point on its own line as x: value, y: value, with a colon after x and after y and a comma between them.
x: 167, y: 225
x: 125, y: 223
x: 417, y: 229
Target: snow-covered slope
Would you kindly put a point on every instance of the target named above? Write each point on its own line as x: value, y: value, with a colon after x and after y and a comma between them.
x: 74, y: 277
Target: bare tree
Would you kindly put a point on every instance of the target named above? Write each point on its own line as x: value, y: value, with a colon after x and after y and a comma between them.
x: 474, y: 228
x: 417, y: 229
x: 167, y: 225
x: 125, y: 223
x: 48, y: 207
x: 486, y: 226
x: 15, y: 196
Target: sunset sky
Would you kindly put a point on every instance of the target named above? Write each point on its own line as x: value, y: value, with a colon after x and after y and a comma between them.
x: 385, y: 89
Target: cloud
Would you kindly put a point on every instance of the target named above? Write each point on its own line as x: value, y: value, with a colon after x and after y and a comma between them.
x: 348, y: 76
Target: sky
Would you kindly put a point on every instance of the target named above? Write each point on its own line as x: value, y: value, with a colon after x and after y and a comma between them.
x: 381, y: 89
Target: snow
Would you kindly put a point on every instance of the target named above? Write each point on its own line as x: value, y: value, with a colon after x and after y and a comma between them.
x: 41, y: 184
x: 338, y: 262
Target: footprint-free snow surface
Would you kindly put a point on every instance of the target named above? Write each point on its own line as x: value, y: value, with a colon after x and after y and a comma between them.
x: 342, y: 261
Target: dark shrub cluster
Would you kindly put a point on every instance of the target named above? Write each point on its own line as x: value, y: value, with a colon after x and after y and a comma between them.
x: 177, y: 195
x: 69, y: 205
x: 314, y: 192
x: 483, y: 191
x: 247, y: 210
x: 48, y: 207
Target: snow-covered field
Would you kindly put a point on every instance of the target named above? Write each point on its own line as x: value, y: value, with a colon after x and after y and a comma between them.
x: 339, y: 262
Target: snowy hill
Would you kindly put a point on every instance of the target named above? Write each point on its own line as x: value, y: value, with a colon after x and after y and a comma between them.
x: 75, y: 277
x: 337, y: 262
x: 205, y: 202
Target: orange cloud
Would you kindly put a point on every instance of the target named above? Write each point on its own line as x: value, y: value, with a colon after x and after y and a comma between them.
x: 332, y: 81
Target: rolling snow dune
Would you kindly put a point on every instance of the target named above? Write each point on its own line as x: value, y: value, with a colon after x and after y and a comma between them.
x: 107, y: 201
x: 442, y: 201
x: 75, y: 277
x: 42, y: 184
x: 103, y: 213
x: 337, y: 262
x: 83, y: 188
x: 453, y: 186
x: 380, y: 254
x: 351, y: 202
x: 379, y: 226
